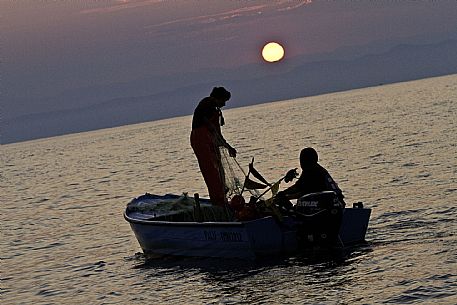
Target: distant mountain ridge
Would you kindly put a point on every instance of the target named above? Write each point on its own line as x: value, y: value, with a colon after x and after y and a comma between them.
x: 401, y: 63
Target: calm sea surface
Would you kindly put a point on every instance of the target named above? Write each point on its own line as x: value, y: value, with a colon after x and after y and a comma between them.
x: 64, y: 239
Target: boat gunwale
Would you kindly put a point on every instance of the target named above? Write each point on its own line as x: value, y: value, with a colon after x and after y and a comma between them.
x: 188, y: 223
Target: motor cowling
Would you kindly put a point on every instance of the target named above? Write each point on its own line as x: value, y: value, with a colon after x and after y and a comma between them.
x: 314, y: 202
x: 321, y: 215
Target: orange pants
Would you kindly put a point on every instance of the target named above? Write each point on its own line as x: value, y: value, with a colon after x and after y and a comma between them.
x: 209, y: 161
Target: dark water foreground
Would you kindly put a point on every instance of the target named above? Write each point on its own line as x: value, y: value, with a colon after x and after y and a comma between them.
x: 64, y: 240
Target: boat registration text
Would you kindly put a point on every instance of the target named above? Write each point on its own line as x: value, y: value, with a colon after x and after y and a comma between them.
x: 222, y: 236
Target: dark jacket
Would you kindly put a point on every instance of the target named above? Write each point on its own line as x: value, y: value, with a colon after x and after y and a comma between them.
x: 313, y: 179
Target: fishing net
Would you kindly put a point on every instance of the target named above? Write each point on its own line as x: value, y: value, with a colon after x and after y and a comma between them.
x: 175, y: 208
x: 235, y: 177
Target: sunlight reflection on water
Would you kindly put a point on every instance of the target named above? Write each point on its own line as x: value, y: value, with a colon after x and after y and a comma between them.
x: 64, y: 239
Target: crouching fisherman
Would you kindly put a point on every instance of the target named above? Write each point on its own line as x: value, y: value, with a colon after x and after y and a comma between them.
x: 314, y: 178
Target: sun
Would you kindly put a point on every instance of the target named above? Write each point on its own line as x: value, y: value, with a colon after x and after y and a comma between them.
x: 272, y: 52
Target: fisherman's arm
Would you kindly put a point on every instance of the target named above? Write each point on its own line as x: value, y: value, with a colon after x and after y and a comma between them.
x: 214, y: 122
x: 293, y: 192
x: 231, y: 150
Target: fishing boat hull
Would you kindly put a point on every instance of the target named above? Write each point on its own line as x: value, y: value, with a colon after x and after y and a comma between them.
x: 265, y: 236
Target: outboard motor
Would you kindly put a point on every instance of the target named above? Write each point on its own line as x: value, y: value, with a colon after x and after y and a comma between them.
x: 320, y: 215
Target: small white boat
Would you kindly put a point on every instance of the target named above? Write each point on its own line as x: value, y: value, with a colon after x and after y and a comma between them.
x: 187, y: 228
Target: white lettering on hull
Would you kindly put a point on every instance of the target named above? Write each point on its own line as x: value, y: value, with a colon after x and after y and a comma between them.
x: 223, y: 236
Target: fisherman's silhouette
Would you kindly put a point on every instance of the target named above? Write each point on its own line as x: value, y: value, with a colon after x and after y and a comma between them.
x: 206, y: 139
x: 314, y: 178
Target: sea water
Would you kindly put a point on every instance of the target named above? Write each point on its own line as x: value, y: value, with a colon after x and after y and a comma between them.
x: 393, y: 147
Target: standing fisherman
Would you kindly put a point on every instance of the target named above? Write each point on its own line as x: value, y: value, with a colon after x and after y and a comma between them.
x: 206, y: 138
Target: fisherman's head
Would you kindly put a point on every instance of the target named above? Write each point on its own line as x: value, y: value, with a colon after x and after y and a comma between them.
x: 308, y: 157
x: 221, y: 95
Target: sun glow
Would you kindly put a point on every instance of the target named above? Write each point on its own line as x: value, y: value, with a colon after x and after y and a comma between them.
x: 272, y: 52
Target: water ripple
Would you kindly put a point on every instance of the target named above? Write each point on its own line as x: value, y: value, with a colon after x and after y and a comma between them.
x: 64, y: 239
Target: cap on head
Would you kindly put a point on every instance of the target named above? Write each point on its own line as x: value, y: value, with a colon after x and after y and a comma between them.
x: 220, y: 93
x: 308, y: 156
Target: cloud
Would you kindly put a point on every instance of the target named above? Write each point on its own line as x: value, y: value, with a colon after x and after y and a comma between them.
x: 120, y: 5
x: 293, y: 6
x: 224, y: 16
x: 204, y: 19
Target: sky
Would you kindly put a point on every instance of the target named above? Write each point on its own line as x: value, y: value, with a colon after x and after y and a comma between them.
x: 56, y: 48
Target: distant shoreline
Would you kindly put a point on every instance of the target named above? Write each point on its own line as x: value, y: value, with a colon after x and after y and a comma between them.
x: 76, y: 131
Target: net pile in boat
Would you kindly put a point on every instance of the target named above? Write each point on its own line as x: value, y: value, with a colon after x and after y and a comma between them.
x: 150, y: 203
x: 175, y: 208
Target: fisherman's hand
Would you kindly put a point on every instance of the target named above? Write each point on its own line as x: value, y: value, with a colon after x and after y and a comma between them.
x: 282, y: 201
x: 232, y: 151
x: 291, y: 175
